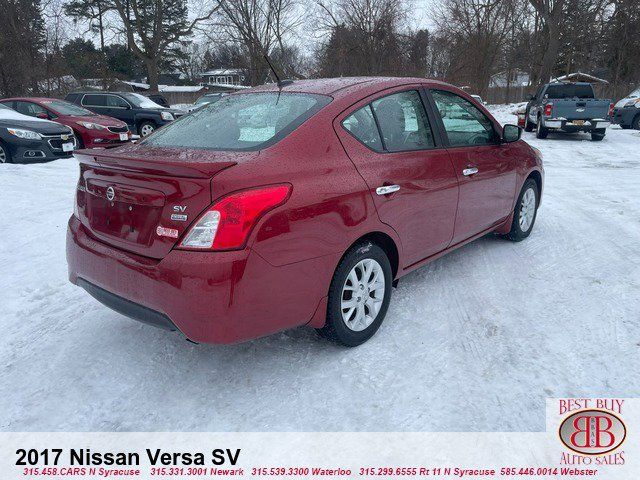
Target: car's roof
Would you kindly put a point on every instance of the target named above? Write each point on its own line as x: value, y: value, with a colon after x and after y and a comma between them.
x: 344, y: 86
x: 33, y: 99
x: 96, y: 92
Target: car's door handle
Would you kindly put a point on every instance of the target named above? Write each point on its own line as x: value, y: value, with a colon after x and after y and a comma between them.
x: 387, y: 189
x: 470, y: 171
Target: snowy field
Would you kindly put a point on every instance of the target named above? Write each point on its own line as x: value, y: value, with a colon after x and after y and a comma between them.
x: 473, y: 342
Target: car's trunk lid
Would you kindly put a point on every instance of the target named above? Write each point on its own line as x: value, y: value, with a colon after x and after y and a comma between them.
x: 126, y: 195
x: 580, y: 109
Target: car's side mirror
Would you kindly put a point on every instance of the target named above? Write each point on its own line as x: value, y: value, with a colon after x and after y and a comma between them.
x: 511, y: 133
x: 42, y: 115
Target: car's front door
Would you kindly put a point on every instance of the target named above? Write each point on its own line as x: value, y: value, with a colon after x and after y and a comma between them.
x: 412, y: 181
x: 486, y: 168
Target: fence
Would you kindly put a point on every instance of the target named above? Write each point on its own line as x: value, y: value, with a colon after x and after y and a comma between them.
x: 515, y: 94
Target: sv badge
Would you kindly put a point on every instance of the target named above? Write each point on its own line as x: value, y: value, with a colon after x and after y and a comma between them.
x: 179, y: 216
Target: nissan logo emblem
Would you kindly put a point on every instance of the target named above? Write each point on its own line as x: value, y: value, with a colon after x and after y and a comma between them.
x: 111, y: 193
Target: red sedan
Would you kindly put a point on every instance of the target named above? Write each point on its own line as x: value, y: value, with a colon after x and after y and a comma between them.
x: 298, y: 205
x: 91, y: 130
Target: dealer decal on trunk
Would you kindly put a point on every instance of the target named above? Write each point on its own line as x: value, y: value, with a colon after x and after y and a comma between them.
x: 166, y: 232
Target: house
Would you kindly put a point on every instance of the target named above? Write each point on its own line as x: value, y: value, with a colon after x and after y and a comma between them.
x: 223, y: 76
x: 512, y: 78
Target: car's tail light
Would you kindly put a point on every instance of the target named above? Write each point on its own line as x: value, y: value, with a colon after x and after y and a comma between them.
x: 228, y: 222
x: 548, y: 108
x: 611, y: 105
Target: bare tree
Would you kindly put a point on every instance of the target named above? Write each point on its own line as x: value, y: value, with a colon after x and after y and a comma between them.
x: 260, y: 27
x: 551, y: 12
x: 364, y: 37
x: 482, y: 27
x: 154, y: 27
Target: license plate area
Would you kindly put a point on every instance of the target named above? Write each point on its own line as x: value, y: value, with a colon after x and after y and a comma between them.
x: 124, y: 137
x: 67, y: 147
x: 578, y: 122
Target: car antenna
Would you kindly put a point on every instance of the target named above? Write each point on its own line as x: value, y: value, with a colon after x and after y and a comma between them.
x: 281, y: 83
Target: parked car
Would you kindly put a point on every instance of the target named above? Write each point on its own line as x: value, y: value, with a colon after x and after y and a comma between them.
x: 206, y: 99
x: 90, y: 129
x: 159, y: 99
x: 142, y: 115
x: 228, y: 232
x: 568, y: 107
x: 26, y: 139
x: 626, y: 112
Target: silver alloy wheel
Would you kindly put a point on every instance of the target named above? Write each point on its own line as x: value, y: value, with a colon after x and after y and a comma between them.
x: 3, y: 155
x: 527, y: 209
x: 146, y: 130
x: 362, y: 294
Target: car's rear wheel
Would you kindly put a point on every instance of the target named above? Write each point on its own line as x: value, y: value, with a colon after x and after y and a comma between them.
x: 359, y: 295
x: 636, y: 123
x: 598, y: 135
x: 146, y: 128
x: 541, y: 131
x: 525, y: 211
x: 5, y: 155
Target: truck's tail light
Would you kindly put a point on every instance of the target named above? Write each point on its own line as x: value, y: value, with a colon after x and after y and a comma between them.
x: 611, y: 105
x: 548, y: 109
x: 227, y: 223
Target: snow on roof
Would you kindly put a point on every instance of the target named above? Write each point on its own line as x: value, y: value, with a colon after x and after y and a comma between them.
x: 578, y: 75
x: 230, y: 86
x: 179, y: 88
x: 144, y: 86
x: 9, y: 114
x: 223, y: 71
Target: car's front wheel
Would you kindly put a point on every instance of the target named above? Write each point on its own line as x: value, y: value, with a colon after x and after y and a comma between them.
x: 524, y: 214
x: 147, y: 128
x: 5, y: 155
x: 359, y: 295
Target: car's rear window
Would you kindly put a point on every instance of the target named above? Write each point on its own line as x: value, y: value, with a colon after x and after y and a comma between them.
x: 569, y: 90
x: 249, y: 121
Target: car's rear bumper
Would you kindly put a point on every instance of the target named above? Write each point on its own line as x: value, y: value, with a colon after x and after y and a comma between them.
x: 212, y: 297
x: 576, y: 125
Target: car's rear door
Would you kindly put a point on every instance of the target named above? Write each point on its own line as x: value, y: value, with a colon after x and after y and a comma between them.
x: 390, y: 139
x: 485, y: 167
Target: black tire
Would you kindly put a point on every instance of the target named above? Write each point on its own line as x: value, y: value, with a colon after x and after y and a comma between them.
x: 144, y: 126
x: 79, y: 142
x: 598, y: 135
x: 335, y: 328
x: 528, y: 126
x: 541, y: 131
x: 625, y: 127
x: 5, y: 154
x: 517, y: 234
x: 636, y: 123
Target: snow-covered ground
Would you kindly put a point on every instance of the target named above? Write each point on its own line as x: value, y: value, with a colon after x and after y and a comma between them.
x: 474, y: 341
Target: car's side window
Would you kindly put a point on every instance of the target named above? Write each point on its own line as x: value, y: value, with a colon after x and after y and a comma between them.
x: 403, y: 122
x: 117, y: 102
x: 362, y: 125
x: 464, y: 124
x: 91, y: 100
x: 31, y: 109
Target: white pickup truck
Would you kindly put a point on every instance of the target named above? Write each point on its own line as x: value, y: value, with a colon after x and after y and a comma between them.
x: 568, y: 107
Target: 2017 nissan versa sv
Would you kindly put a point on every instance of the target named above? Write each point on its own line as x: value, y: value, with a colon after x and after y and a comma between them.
x: 298, y: 205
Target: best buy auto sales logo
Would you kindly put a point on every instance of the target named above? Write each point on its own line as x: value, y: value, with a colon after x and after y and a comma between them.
x: 592, y: 433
